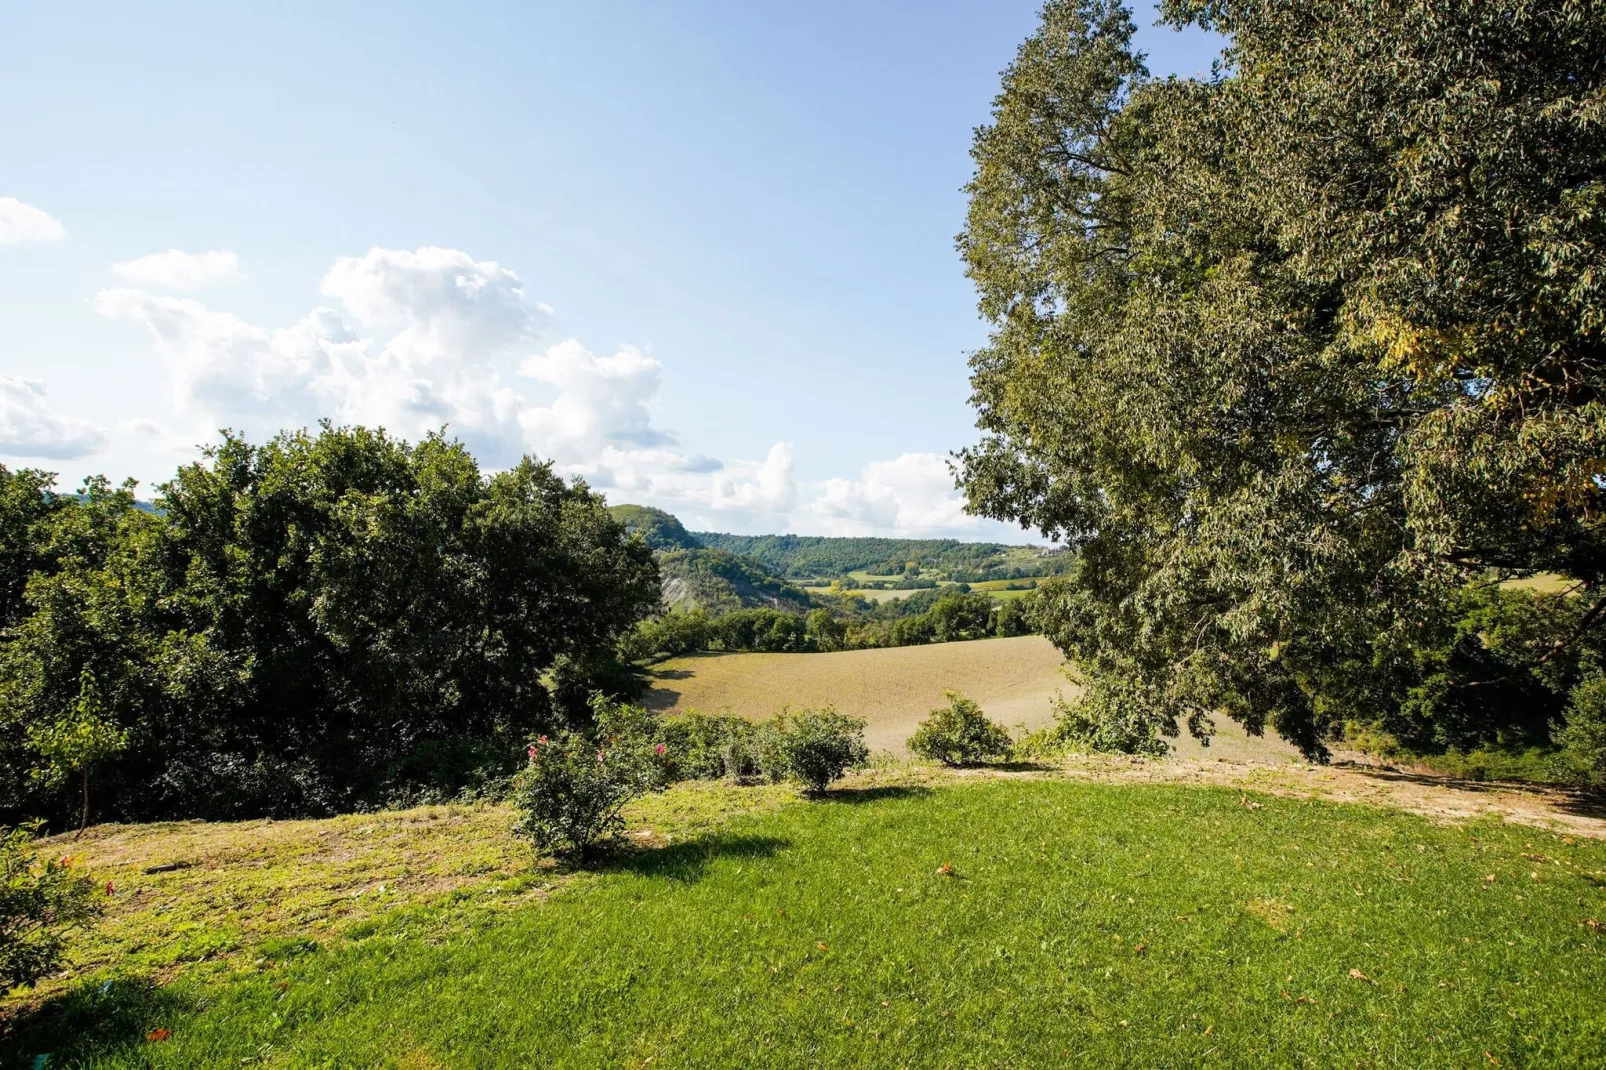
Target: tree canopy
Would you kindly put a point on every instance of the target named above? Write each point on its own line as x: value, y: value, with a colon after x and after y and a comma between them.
x: 304, y: 625
x: 1304, y: 359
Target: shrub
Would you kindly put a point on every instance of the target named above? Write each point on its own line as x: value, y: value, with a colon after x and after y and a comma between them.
x: 1583, y: 740
x: 703, y: 747
x: 572, y: 793
x: 812, y: 747
x: 959, y: 734
x: 39, y: 904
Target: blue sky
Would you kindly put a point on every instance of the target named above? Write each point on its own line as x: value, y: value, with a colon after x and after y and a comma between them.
x: 701, y: 253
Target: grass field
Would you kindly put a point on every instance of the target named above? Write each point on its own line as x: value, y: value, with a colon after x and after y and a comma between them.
x: 893, y: 688
x: 991, y: 922
x: 870, y: 596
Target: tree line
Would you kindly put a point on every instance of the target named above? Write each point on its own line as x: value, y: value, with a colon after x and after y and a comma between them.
x: 309, y: 625
x: 944, y: 615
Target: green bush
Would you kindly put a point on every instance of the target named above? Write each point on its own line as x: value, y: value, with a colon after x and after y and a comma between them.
x: 812, y: 747
x: 703, y: 747
x: 959, y: 734
x: 1583, y: 740
x: 571, y: 795
x: 40, y: 902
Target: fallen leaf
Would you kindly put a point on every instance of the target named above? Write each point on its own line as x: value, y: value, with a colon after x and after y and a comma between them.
x: 821, y: 946
x: 945, y: 870
x: 1358, y: 975
x: 1250, y: 805
x: 1489, y: 879
x: 1593, y: 924
x: 157, y: 1035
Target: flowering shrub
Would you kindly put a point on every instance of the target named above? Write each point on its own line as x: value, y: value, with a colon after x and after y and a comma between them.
x: 959, y: 734
x: 39, y: 902
x: 571, y: 794
x: 812, y: 747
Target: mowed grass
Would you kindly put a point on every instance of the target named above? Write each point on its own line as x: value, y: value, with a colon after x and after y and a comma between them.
x: 1015, y: 680
x: 1000, y: 922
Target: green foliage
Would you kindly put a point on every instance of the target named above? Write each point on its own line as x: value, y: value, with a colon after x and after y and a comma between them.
x: 812, y: 747
x: 658, y: 529
x: 1111, y: 714
x: 1293, y: 355
x: 26, y: 503
x: 666, y: 636
x: 298, y: 620
x: 826, y: 557
x: 959, y: 734
x: 705, y: 747
x: 83, y: 736
x: 824, y: 631
x: 41, y: 901
x: 721, y: 582
x: 1583, y: 740
x: 571, y: 795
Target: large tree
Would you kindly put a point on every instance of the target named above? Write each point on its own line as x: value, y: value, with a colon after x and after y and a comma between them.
x: 1295, y: 353
x: 310, y: 624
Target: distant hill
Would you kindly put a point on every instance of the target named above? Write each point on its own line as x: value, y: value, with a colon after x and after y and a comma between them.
x: 719, y: 582
x: 699, y: 577
x: 718, y: 572
x: 808, y: 556
x: 661, y: 530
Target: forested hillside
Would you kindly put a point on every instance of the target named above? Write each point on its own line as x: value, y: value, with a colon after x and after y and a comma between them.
x: 824, y: 557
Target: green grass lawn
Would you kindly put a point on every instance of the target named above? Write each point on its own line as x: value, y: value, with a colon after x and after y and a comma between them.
x: 995, y: 923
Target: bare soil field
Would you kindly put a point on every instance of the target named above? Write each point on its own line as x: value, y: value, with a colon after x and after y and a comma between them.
x: 893, y: 689
x: 1016, y: 679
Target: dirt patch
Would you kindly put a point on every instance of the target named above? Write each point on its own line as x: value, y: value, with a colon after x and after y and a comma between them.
x: 1440, y: 798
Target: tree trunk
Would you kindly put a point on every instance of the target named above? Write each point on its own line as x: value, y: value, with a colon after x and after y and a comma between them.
x: 83, y: 816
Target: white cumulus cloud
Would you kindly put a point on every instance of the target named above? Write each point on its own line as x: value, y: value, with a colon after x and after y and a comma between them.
x: 913, y: 493
x: 431, y: 338
x: 414, y: 340
x: 769, y: 487
x: 600, y: 402
x: 28, y: 427
x: 177, y: 270
x: 21, y: 222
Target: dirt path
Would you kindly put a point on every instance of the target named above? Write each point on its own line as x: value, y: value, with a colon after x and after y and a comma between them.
x: 1441, y: 798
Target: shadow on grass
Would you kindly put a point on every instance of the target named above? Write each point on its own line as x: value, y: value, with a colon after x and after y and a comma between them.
x: 90, y: 1021
x: 856, y: 796
x: 1013, y: 767
x: 686, y: 861
x: 1567, y: 800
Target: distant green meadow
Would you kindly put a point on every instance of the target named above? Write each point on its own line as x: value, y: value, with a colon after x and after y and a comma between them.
x: 998, y: 923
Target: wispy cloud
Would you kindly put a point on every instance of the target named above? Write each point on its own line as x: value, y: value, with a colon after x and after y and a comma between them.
x: 21, y: 222
x: 177, y: 270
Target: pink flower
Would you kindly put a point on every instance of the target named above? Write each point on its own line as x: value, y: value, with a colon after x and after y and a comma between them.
x: 660, y: 748
x: 542, y: 741
x: 532, y: 752
x: 599, y: 756
x: 108, y: 887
